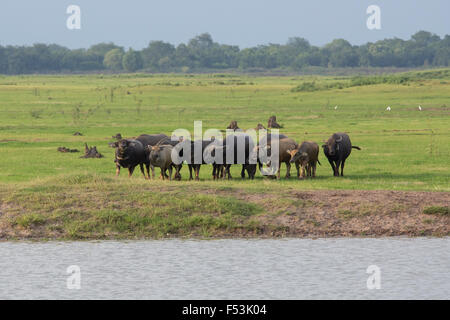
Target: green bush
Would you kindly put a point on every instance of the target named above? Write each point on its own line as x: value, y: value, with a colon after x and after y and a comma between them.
x: 443, y: 211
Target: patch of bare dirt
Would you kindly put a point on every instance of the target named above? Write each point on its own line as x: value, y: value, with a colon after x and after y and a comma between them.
x: 361, y: 213
x: 8, y: 140
x: 345, y: 213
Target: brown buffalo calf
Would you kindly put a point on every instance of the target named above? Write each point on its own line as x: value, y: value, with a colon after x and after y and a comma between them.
x: 305, y: 156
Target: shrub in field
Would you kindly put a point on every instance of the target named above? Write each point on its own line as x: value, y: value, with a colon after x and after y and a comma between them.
x: 354, y: 82
x: 306, y: 86
x: 36, y: 114
x: 443, y: 211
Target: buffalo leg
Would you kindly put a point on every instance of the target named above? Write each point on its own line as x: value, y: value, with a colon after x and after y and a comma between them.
x: 197, y: 172
x: 297, y: 166
x: 153, y: 171
x: 338, y: 164
x: 252, y: 175
x: 288, y: 170
x: 177, y: 172
x: 314, y: 170
x: 216, y: 169
x: 342, y: 168
x: 117, y: 170
x: 214, y: 172
x: 279, y: 170
x: 243, y: 172
x: 190, y: 171
x: 302, y: 172
x: 170, y: 173
x: 219, y: 171
x: 332, y: 166
x: 130, y: 171
x: 141, y: 165
x: 250, y: 171
x: 147, y: 169
x: 227, y: 171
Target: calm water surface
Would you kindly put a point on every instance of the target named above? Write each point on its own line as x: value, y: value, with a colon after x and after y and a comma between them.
x: 416, y: 268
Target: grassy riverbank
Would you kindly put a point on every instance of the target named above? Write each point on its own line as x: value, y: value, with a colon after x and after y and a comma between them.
x: 95, y: 207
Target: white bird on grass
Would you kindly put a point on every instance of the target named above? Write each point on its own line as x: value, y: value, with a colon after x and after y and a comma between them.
x: 420, y: 108
x: 335, y: 108
x: 388, y: 108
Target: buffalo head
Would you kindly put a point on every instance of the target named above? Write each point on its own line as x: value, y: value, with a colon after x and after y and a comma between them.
x: 332, y: 144
x: 297, y: 155
x: 123, y: 147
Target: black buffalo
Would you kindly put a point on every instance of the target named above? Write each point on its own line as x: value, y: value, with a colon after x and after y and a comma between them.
x: 265, y: 142
x: 239, y: 147
x: 129, y: 154
x: 133, y: 152
x: 194, y: 163
x: 337, y: 149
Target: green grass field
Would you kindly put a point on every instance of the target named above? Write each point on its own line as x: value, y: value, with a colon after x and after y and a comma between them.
x: 404, y: 149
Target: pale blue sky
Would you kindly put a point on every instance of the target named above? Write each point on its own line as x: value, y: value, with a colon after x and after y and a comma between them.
x: 133, y: 23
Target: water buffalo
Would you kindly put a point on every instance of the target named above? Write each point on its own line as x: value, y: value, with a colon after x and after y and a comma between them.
x: 265, y: 141
x: 243, y: 145
x: 265, y: 146
x: 161, y: 156
x: 129, y: 154
x: 260, y: 127
x: 234, y: 126
x: 152, y: 139
x: 235, y: 149
x: 284, y: 145
x: 337, y: 149
x: 194, y: 163
x: 305, y: 156
x: 272, y: 123
x: 173, y: 142
x: 209, y: 156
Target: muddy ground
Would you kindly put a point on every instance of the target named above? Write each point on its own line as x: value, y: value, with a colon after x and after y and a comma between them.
x: 341, y: 213
x: 312, y: 214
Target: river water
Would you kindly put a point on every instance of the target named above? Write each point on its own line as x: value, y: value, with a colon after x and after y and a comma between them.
x: 405, y: 268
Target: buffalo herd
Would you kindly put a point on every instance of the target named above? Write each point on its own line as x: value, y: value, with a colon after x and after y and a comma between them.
x: 157, y: 150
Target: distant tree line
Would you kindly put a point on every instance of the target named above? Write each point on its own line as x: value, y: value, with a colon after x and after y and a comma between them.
x: 202, y: 53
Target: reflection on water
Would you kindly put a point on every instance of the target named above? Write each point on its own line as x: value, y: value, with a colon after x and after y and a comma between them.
x: 417, y: 268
